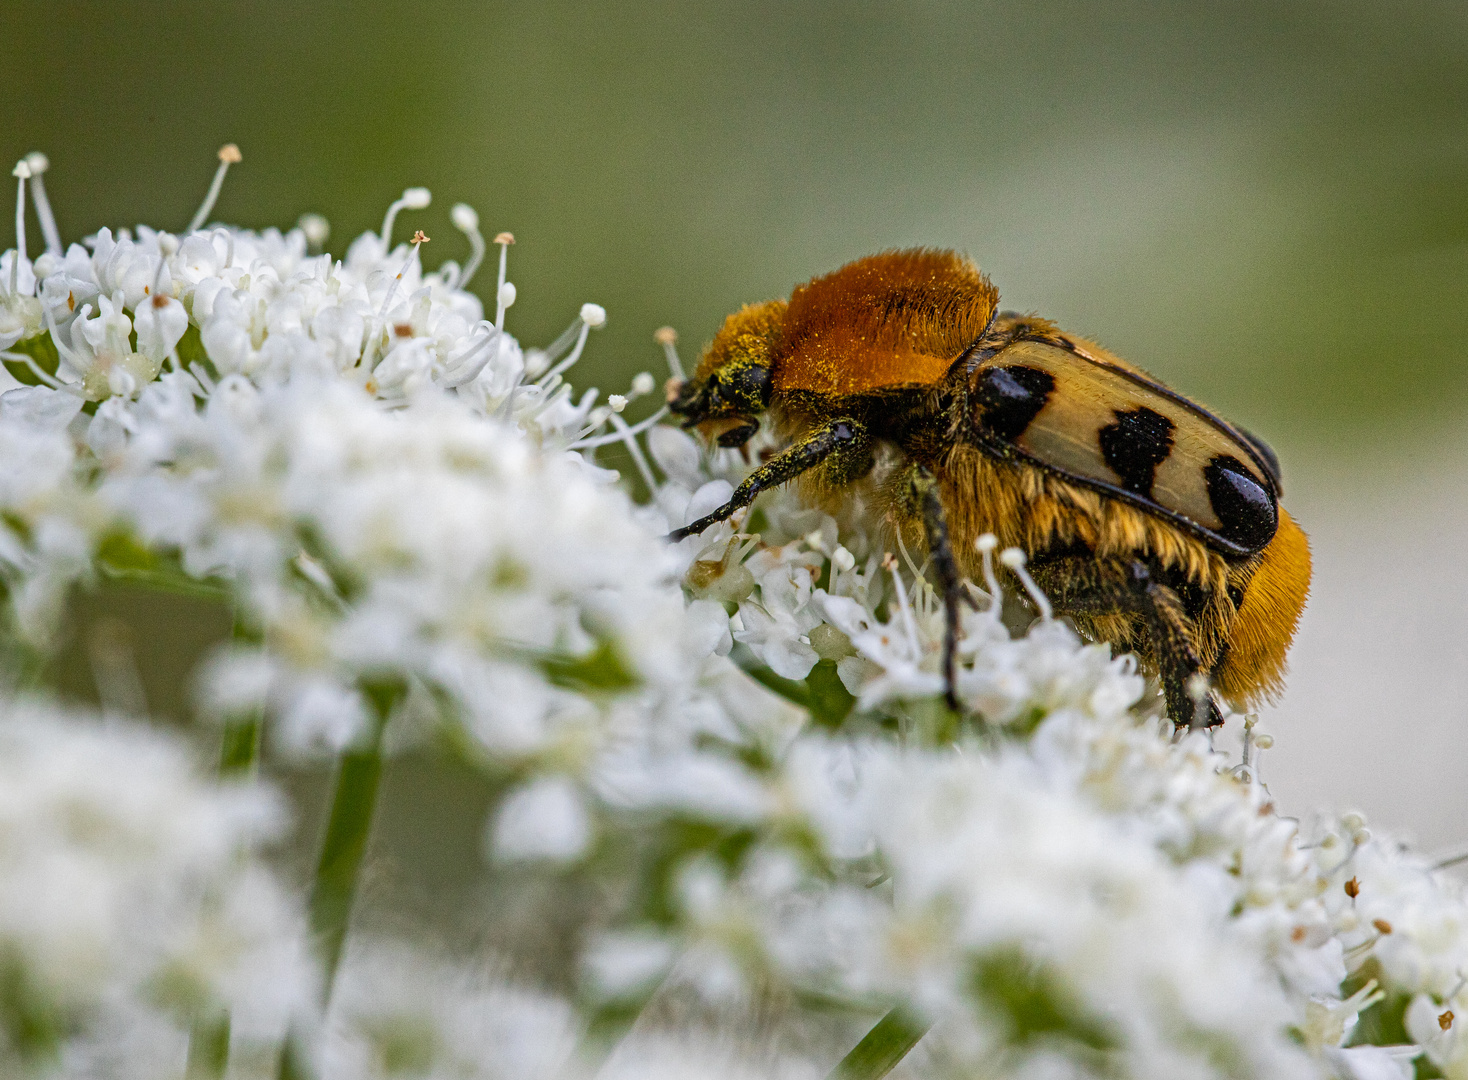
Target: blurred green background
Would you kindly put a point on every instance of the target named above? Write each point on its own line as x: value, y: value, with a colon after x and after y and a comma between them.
x: 1264, y: 203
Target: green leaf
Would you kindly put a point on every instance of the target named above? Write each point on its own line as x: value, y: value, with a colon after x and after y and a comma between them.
x: 122, y: 558
x: 794, y: 692
x: 601, y: 669
x: 882, y: 1047
x: 828, y: 699
x: 1034, y: 1003
x: 42, y: 350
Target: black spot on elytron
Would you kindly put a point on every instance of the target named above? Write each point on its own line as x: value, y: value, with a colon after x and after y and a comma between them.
x: 1009, y: 398
x: 1135, y: 445
x: 1246, y: 511
x: 1266, y: 455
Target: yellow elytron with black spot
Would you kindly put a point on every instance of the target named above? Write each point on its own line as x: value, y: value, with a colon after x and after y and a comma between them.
x: 909, y: 399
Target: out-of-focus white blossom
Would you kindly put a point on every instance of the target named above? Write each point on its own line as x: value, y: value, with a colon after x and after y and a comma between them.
x: 401, y: 1012
x: 129, y: 882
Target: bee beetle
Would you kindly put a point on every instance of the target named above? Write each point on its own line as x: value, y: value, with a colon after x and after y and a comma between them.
x: 908, y: 398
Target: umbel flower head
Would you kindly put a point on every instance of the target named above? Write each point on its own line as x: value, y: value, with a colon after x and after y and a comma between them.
x: 735, y: 747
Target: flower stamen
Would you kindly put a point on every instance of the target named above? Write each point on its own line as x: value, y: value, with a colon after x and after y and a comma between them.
x: 22, y: 173
x: 667, y: 337
x: 504, y: 291
x: 986, y: 545
x: 909, y: 625
x: 413, y: 198
x: 466, y: 220
x: 39, y: 163
x: 316, y: 229
x: 1014, y: 558
x: 229, y: 154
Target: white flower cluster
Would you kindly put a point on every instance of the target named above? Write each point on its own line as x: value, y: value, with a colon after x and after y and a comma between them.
x: 403, y: 505
x: 132, y: 894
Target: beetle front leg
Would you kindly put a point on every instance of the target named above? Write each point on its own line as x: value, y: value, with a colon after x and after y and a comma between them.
x: 924, y: 498
x: 841, y: 444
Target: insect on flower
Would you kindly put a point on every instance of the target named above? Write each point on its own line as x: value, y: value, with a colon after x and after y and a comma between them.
x: 909, y: 400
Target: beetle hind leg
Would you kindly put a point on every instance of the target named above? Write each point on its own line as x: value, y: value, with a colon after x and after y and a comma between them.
x: 1086, y: 586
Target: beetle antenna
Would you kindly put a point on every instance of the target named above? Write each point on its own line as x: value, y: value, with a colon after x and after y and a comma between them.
x: 1014, y: 558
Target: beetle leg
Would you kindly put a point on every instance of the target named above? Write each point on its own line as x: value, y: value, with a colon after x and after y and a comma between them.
x: 837, y: 441
x: 1177, y: 660
x: 1080, y: 585
x: 924, y: 494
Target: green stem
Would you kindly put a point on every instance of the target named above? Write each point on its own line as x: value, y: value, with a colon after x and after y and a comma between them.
x: 208, y: 1046
x: 881, y: 1048
x: 345, y: 842
x: 239, y: 751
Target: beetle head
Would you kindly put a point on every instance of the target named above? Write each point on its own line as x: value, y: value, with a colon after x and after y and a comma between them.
x: 732, y: 383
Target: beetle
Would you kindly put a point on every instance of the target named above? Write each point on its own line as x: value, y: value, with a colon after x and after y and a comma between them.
x: 905, y: 395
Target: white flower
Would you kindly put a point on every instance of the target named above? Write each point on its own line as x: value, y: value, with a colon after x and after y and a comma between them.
x: 776, y: 627
x: 126, y: 880
x: 546, y: 819
x: 398, y: 1011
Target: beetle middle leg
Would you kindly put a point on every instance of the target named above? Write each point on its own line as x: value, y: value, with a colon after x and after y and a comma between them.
x: 1084, y: 585
x: 842, y: 445
x: 924, y: 500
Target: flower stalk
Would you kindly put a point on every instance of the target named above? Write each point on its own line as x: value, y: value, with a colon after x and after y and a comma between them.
x: 353, y: 801
x: 881, y: 1048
